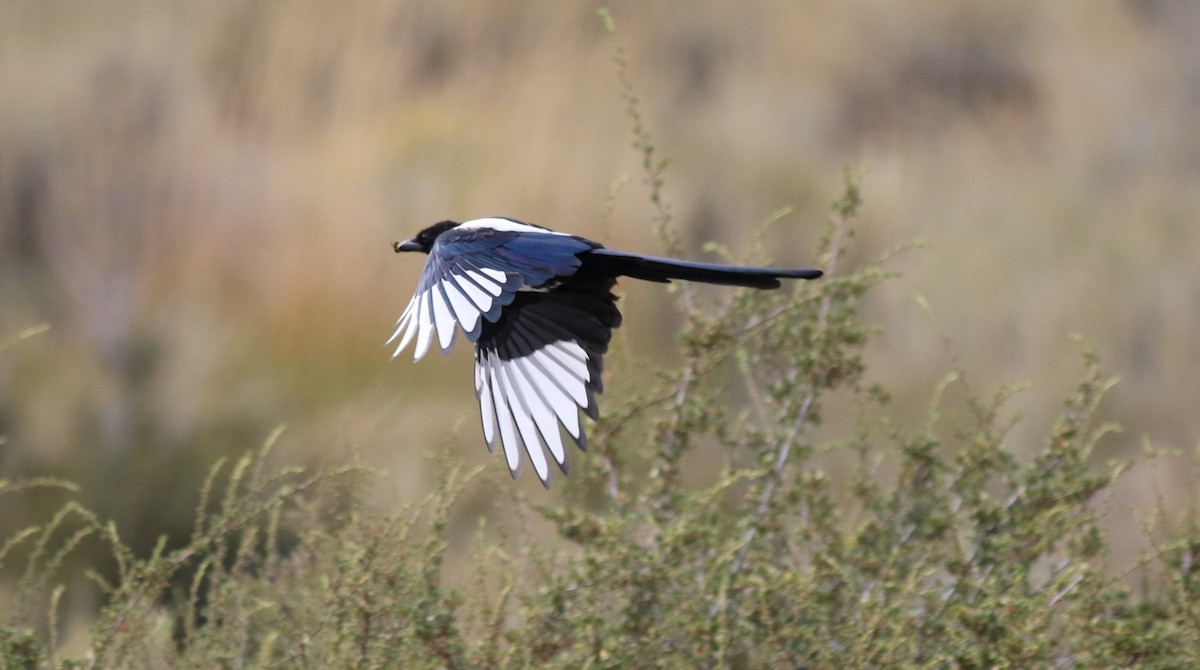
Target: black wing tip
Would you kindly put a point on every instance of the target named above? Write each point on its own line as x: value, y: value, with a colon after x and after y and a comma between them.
x: 592, y: 411
x: 515, y: 473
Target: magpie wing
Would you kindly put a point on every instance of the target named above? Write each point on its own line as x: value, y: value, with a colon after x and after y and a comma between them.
x: 473, y: 271
x: 538, y: 365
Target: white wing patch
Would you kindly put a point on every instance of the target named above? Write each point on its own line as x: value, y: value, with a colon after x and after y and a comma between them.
x: 443, y: 319
x: 506, y: 225
x: 479, y: 298
x: 444, y: 303
x: 464, y: 310
x: 424, y: 325
x: 530, y: 397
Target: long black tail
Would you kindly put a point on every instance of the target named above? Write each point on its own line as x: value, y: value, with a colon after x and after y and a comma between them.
x: 650, y: 268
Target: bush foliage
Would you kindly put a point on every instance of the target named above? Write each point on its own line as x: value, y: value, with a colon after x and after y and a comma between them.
x: 956, y: 554
x: 938, y: 547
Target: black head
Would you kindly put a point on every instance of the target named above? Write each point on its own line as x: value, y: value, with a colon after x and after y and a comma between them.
x: 424, y: 240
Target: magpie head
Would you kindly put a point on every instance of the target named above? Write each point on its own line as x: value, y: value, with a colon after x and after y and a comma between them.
x: 424, y: 240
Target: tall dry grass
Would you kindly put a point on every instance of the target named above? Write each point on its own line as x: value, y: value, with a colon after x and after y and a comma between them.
x: 198, y: 199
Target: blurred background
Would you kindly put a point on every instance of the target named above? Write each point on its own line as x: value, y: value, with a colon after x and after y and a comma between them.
x: 199, y: 198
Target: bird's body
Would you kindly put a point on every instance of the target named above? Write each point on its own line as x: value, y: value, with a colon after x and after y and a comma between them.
x: 538, y: 305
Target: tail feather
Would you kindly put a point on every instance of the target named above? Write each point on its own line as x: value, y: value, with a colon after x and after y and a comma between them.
x: 652, y: 268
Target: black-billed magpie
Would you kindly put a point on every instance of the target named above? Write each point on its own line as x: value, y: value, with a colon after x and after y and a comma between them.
x: 538, y: 305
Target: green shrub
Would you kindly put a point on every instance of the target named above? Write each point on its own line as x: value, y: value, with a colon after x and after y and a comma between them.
x: 963, y: 557
x: 934, y: 547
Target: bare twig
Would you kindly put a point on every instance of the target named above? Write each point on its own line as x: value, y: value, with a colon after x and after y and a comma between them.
x: 783, y: 448
x: 653, y: 167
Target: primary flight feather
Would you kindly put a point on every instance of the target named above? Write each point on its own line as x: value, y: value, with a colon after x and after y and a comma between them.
x: 538, y: 305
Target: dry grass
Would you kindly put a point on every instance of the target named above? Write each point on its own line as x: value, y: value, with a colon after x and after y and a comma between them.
x: 199, y: 197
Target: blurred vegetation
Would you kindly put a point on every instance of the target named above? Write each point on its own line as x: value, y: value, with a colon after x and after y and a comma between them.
x: 966, y: 557
x: 197, y: 202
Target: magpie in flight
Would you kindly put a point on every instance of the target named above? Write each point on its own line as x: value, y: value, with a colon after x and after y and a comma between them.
x: 538, y: 305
